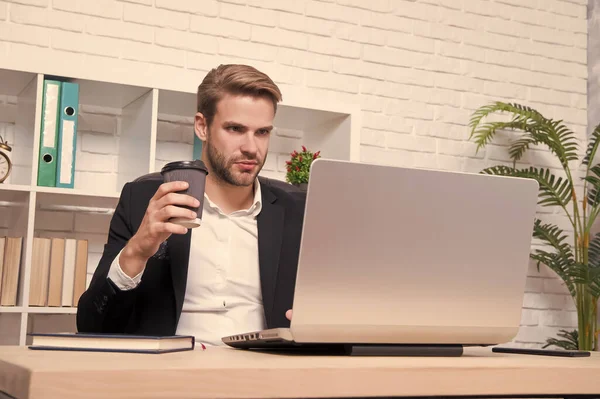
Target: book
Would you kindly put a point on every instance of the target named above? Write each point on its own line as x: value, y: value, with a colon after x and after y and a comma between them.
x: 81, y: 262
x: 57, y: 258
x: 11, y: 270
x: 2, y: 244
x: 111, y: 342
x: 68, y: 282
x: 40, y: 268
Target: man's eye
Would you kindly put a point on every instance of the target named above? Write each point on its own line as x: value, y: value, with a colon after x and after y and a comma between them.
x: 234, y: 128
x: 264, y: 132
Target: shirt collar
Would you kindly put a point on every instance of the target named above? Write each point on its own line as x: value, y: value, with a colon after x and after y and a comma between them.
x: 253, y: 210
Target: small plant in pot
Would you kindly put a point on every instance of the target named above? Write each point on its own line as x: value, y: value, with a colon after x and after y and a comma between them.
x: 298, y: 167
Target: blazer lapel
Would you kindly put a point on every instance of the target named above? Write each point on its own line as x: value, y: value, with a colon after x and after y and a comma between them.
x: 178, y: 249
x: 270, y: 229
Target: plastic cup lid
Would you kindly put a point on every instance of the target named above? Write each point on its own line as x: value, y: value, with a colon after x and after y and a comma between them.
x: 196, y: 164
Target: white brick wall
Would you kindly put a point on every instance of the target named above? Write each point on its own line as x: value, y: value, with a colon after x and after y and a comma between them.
x: 417, y: 69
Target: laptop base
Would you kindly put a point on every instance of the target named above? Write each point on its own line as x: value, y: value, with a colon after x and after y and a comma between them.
x: 290, y: 346
x: 404, y: 350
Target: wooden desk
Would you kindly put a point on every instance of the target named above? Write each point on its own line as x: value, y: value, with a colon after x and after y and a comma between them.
x: 229, y: 373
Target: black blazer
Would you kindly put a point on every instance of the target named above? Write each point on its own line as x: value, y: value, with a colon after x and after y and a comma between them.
x: 154, y: 306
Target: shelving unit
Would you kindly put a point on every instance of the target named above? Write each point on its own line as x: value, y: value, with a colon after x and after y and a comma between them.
x: 125, y: 131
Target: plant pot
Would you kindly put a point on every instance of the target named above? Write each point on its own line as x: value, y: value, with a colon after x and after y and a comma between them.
x: 301, y: 186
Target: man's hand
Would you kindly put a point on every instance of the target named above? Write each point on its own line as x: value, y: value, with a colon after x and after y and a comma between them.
x: 288, y: 314
x: 155, y: 227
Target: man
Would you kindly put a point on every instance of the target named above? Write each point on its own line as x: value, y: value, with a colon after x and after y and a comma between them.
x: 236, y: 272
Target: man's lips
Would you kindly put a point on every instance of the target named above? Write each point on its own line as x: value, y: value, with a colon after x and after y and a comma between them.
x: 246, y: 165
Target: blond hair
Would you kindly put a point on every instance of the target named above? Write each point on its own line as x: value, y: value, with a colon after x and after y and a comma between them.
x: 235, y: 80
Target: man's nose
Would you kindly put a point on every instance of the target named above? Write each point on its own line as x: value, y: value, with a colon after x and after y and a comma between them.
x: 249, y: 144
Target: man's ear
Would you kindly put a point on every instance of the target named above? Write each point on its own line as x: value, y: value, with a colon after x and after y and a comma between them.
x: 200, y: 126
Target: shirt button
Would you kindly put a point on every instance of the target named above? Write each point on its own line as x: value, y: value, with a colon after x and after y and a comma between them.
x: 224, y: 303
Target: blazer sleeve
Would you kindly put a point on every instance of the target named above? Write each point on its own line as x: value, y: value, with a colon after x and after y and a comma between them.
x: 103, y: 307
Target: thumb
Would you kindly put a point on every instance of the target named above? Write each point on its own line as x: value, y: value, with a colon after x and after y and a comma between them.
x: 288, y: 314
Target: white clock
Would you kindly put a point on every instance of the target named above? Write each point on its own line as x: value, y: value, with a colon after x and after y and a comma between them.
x: 5, y: 163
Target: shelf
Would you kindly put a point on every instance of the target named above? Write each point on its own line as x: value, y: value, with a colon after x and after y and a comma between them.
x: 106, y: 94
x: 11, y: 325
x: 20, y: 93
x: 124, y: 131
x: 14, y: 212
x: 51, y: 310
x: 114, y: 135
x: 11, y: 309
x: 14, y: 198
x: 15, y: 187
x: 175, y: 128
x: 75, y: 192
x: 14, y: 82
x: 57, y: 190
x: 176, y: 103
x: 76, y: 202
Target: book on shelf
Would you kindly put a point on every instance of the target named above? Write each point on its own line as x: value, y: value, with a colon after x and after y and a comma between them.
x: 111, y: 342
x: 55, y: 278
x: 10, y: 269
x: 40, y: 267
x: 2, y: 245
x: 58, y: 271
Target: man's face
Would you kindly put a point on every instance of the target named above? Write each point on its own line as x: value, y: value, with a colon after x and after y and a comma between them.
x: 237, y: 141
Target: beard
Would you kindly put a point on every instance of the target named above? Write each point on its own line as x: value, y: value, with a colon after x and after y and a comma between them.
x: 222, y: 167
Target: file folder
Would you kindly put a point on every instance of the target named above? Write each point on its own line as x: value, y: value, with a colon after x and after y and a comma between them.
x: 49, y: 134
x: 67, y: 136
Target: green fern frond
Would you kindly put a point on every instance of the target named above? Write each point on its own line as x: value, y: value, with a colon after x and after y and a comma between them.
x: 519, y: 147
x: 554, y: 236
x: 592, y: 147
x: 560, y: 264
x: 481, y: 113
x: 562, y: 142
x: 520, y: 113
x: 588, y: 276
x: 594, y: 251
x: 500, y: 170
x: 570, y: 340
x: 559, y: 139
x: 553, y: 191
x: 487, y: 131
x: 594, y: 281
x: 593, y: 178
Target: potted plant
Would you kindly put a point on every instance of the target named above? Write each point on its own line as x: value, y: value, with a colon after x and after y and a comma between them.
x: 577, y: 264
x: 298, y: 167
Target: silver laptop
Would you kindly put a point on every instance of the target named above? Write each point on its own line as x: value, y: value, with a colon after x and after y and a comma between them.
x: 393, y: 255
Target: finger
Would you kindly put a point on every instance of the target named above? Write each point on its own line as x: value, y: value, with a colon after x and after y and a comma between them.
x: 172, y: 211
x: 288, y: 314
x: 164, y: 189
x: 168, y: 228
x: 169, y: 187
x: 176, y: 199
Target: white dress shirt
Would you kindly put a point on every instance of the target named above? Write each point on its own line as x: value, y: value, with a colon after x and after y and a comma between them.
x: 223, y: 294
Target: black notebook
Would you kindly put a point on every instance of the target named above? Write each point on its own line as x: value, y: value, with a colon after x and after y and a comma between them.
x: 111, y: 342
